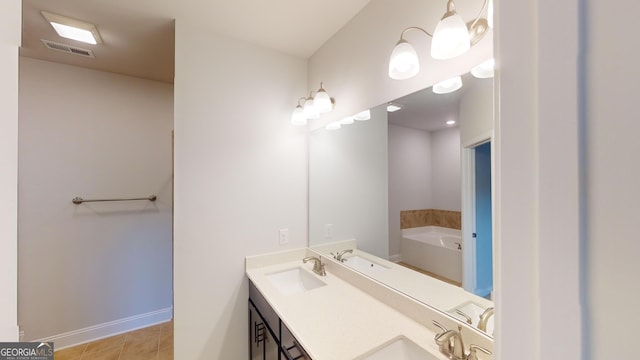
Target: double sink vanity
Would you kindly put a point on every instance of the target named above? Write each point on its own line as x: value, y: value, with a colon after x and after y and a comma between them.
x: 307, y: 305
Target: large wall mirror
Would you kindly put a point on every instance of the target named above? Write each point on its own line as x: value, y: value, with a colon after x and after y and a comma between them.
x: 411, y: 192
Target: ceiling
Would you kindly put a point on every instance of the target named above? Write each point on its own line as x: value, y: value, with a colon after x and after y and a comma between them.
x: 138, y: 36
x: 425, y: 110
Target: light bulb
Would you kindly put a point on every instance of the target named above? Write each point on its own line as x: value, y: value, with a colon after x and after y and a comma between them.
x: 298, y: 118
x: 404, y: 63
x: 451, y: 37
x: 309, y: 109
x: 447, y: 86
x: 322, y: 101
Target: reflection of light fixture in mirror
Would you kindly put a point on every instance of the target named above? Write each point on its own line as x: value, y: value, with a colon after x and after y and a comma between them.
x: 393, y: 107
x: 451, y: 38
x: 312, y: 107
x: 448, y: 86
x: 484, y: 70
x: 363, y: 115
x: 333, y: 126
x: 73, y: 29
x: 451, y: 122
x: 347, y: 121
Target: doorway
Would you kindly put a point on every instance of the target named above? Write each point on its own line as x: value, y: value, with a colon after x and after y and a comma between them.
x: 478, y: 219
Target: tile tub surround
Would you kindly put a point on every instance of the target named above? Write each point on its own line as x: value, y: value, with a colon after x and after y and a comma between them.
x: 366, y: 312
x: 430, y: 217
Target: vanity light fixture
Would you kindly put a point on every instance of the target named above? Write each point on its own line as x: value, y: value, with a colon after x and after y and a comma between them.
x: 448, y: 86
x: 73, y: 29
x: 451, y: 38
x: 312, y: 107
x: 484, y: 70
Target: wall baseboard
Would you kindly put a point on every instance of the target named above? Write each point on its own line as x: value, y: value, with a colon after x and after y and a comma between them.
x: 395, y: 258
x: 111, y: 328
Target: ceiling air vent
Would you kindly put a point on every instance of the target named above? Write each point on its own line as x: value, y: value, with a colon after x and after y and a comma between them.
x: 68, y: 49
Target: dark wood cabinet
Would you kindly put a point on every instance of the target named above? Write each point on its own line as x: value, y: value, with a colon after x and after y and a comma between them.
x: 269, y: 338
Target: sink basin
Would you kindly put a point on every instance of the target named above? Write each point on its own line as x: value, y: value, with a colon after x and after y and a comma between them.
x: 363, y: 265
x: 474, y: 311
x: 294, y: 281
x: 399, y: 348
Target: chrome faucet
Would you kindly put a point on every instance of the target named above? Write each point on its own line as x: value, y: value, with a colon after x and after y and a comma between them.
x: 318, y: 266
x: 450, y: 342
x: 338, y: 256
x: 484, y: 319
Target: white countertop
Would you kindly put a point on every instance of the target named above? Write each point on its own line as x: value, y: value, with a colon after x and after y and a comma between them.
x: 337, y: 321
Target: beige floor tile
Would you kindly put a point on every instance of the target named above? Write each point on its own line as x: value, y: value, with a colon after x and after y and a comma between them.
x: 105, y: 344
x: 109, y: 354
x: 72, y: 353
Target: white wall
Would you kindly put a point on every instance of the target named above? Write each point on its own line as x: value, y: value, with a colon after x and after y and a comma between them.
x: 348, y: 184
x: 445, y: 169
x: 476, y: 113
x: 612, y: 177
x: 410, y: 177
x: 241, y: 175
x: 95, y: 135
x: 10, y: 21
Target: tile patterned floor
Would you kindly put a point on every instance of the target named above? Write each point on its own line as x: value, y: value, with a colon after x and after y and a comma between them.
x: 152, y: 343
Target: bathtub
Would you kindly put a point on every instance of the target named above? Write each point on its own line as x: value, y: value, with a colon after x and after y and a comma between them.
x: 434, y: 249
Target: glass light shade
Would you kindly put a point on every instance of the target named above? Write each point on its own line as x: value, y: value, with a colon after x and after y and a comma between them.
x: 484, y: 70
x: 298, y: 118
x: 447, y: 86
x: 333, y: 126
x: 363, y: 115
x: 347, y: 121
x: 404, y: 63
x: 451, y: 38
x: 322, y: 101
x: 309, y: 109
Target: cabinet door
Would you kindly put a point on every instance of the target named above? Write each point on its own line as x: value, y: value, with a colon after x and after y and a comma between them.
x: 291, y: 349
x: 262, y: 345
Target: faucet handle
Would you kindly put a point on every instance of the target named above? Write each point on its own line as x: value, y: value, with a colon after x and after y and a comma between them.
x: 444, y: 329
x: 472, y: 352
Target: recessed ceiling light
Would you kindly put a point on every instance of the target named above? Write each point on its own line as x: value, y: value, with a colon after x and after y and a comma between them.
x: 451, y: 122
x: 73, y: 29
x: 393, y: 108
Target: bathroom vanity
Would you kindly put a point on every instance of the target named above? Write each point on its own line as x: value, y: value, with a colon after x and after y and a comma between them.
x: 342, y: 315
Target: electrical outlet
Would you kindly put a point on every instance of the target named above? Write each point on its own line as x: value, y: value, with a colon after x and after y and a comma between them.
x: 328, y: 231
x: 284, y: 236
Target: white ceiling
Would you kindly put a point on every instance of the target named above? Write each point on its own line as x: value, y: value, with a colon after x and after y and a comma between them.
x: 424, y: 110
x: 138, y: 35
